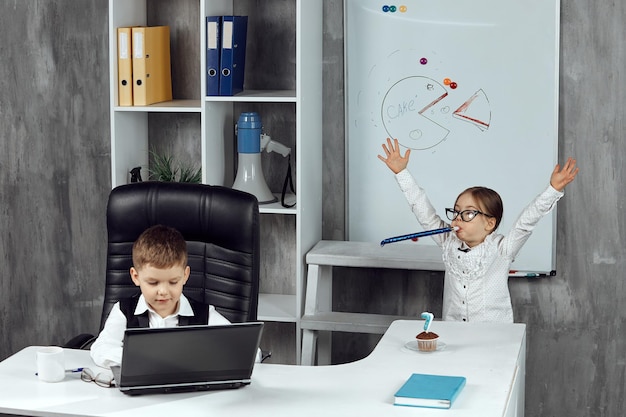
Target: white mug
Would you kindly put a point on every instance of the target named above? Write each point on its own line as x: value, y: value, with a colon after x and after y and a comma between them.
x: 50, y: 364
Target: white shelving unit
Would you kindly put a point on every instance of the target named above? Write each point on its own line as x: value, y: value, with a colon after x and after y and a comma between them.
x: 130, y: 142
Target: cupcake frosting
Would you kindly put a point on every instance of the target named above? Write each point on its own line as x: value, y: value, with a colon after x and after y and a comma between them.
x: 427, y: 336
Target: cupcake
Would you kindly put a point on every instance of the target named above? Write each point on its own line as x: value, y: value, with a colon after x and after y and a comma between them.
x: 427, y: 341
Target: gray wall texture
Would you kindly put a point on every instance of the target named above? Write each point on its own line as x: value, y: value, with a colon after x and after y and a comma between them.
x: 55, y: 179
x: 54, y: 168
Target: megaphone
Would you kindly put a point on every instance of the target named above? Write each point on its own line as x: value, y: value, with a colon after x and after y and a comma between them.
x: 250, y: 143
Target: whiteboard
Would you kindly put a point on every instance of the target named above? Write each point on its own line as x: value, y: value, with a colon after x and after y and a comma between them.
x: 472, y: 89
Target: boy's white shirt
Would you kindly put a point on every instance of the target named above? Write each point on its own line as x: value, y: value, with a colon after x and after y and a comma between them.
x: 106, y: 351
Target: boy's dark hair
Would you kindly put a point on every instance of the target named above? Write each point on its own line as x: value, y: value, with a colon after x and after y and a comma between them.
x: 489, y: 201
x: 161, y: 247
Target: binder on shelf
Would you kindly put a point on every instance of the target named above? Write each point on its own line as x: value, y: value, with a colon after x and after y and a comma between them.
x: 213, y: 52
x: 234, y: 33
x: 152, y: 73
x: 124, y: 67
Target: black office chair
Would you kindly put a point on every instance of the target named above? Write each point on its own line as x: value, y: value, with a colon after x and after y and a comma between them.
x: 221, y: 227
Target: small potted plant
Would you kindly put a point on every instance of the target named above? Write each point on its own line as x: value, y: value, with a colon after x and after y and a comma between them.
x: 163, y: 167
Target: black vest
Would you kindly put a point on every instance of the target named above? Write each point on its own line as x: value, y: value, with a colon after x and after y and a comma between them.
x: 128, y: 305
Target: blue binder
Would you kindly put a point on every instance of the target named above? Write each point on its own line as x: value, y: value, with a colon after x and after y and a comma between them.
x: 213, y: 54
x: 234, y: 32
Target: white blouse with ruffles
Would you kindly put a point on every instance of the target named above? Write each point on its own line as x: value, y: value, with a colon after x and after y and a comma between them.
x: 476, y: 280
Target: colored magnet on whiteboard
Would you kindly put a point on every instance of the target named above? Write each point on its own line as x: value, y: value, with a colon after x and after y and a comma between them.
x: 453, y: 85
x: 392, y: 9
x: 402, y: 9
x: 423, y: 61
x: 447, y: 81
x: 385, y: 8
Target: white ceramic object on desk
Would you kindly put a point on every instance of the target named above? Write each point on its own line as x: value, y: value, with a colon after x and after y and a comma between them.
x: 50, y: 364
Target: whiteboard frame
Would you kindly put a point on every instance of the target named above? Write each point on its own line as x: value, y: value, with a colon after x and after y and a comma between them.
x: 551, y: 218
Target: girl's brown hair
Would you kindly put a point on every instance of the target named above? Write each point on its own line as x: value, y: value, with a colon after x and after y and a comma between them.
x: 489, y: 201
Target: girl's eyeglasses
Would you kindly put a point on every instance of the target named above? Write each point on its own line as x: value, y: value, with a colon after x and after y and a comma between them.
x: 102, y: 379
x: 466, y: 215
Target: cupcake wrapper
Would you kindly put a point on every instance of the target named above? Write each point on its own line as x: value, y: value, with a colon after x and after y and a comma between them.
x: 427, y: 345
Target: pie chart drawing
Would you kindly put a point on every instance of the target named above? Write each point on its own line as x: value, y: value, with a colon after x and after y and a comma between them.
x: 476, y: 110
x: 415, y: 110
x: 403, y: 108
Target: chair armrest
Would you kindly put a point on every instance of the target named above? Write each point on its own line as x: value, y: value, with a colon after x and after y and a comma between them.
x: 82, y: 341
x: 265, y: 354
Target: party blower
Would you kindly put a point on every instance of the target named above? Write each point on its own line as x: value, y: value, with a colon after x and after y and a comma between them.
x: 250, y: 143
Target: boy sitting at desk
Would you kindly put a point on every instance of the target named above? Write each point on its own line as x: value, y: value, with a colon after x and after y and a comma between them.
x: 160, y: 270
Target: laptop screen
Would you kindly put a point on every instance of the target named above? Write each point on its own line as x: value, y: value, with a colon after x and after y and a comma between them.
x: 190, y: 354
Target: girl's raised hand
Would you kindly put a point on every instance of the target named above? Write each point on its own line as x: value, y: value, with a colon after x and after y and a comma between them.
x: 561, y: 177
x: 392, y: 158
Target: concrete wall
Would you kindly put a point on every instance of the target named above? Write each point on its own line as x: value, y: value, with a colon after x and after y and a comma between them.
x: 54, y: 182
x: 54, y: 169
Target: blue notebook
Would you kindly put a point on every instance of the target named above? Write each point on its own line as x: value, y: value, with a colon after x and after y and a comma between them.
x: 432, y: 391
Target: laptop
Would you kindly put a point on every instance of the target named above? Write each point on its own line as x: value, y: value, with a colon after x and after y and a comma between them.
x: 187, y: 358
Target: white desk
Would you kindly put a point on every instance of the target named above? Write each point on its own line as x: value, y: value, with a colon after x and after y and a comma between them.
x: 490, y: 356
